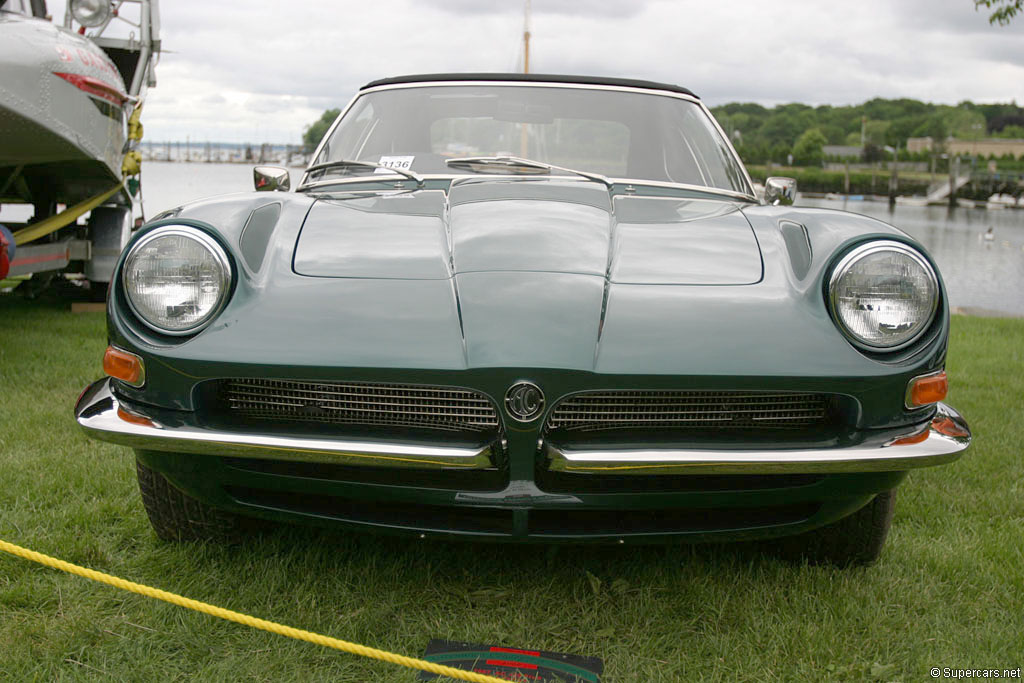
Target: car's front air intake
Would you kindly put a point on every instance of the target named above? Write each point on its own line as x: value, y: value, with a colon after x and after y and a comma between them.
x: 355, y: 403
x: 631, y: 410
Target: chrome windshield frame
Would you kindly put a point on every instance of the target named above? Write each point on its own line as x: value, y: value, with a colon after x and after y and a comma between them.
x: 749, y: 195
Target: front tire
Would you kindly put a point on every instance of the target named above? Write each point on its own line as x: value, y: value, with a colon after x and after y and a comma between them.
x: 852, y: 541
x: 176, y: 516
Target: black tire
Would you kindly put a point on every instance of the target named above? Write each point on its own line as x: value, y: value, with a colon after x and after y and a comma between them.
x: 852, y: 541
x: 34, y: 287
x: 176, y: 516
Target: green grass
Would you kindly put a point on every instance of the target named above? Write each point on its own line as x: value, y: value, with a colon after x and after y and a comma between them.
x: 948, y: 591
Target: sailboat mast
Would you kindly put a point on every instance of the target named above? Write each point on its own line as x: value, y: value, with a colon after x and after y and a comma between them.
x: 526, y: 38
x: 524, y: 142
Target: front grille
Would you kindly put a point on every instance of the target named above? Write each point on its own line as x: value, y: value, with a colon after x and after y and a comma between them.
x: 352, y: 403
x: 630, y: 410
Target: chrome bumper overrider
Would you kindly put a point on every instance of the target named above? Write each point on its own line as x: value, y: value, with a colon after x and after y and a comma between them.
x: 102, y: 417
x: 945, y: 440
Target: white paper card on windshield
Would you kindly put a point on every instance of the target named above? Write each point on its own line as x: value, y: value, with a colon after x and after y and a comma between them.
x: 401, y: 163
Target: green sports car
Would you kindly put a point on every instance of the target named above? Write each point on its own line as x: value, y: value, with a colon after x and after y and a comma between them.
x: 534, y: 309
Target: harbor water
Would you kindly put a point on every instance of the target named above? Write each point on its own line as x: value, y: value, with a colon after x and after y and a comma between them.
x: 983, y: 269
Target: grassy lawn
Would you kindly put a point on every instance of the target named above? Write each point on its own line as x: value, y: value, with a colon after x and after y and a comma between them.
x: 948, y: 591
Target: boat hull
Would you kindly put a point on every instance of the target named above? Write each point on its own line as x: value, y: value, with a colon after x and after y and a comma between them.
x: 62, y: 120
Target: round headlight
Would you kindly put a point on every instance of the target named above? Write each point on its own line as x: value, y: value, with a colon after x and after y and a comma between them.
x: 176, y: 279
x: 883, y: 295
x: 90, y: 13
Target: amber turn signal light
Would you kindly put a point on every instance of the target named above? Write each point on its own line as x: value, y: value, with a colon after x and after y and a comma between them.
x: 927, y: 389
x: 124, y: 366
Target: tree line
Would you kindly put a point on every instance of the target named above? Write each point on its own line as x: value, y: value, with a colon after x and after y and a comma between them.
x: 761, y: 134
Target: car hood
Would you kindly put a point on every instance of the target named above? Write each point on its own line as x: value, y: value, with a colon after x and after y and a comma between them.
x: 550, y: 226
x: 524, y: 274
x: 522, y: 270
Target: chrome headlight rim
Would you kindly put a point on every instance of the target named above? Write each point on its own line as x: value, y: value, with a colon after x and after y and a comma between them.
x: 220, y: 256
x: 866, y: 249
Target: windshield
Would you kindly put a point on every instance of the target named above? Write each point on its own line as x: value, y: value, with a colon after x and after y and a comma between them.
x: 618, y: 134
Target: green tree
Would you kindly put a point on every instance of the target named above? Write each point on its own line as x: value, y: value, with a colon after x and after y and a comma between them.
x: 769, y: 134
x: 808, y: 150
x: 1011, y: 132
x: 1005, y: 10
x: 786, y: 122
x: 965, y: 122
x: 835, y: 134
x: 875, y: 132
x: 315, y: 131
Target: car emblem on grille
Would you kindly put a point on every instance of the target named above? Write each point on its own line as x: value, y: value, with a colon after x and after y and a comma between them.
x: 524, y: 401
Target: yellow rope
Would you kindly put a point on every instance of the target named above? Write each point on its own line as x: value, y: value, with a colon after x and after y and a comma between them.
x: 130, y: 166
x: 344, y: 646
x: 54, y: 223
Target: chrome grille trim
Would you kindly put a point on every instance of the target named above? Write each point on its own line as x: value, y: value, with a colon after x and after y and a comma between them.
x: 603, y: 410
x: 357, y: 403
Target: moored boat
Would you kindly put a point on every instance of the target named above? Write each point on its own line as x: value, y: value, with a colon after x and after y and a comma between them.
x: 70, y: 96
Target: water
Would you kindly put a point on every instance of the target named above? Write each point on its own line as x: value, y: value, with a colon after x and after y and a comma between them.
x: 979, y: 273
x: 166, y: 185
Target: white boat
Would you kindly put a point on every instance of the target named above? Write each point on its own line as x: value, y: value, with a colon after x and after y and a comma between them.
x: 1001, y: 201
x: 67, y: 98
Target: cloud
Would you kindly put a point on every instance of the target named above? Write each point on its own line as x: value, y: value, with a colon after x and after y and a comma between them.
x: 272, y: 67
x: 591, y: 8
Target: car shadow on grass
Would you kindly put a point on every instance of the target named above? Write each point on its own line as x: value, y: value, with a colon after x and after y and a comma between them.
x: 472, y: 574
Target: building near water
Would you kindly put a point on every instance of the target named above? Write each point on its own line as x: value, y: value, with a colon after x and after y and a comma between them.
x: 997, y: 147
x: 843, y: 151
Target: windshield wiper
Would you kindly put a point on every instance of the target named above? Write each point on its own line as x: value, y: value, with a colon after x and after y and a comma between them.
x: 519, y: 165
x: 347, y: 163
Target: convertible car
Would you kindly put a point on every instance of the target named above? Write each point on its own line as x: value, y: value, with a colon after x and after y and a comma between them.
x: 534, y: 309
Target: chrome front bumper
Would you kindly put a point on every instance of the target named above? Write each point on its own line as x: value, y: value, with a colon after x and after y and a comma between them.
x: 102, y: 417
x: 944, y: 440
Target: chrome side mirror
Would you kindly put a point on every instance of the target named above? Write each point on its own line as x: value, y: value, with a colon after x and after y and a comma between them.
x: 271, y: 178
x: 778, y: 190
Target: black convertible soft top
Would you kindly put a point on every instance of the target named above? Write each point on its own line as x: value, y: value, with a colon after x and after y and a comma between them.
x: 538, y: 78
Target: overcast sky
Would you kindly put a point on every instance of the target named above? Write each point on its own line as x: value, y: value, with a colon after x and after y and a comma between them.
x: 262, y: 70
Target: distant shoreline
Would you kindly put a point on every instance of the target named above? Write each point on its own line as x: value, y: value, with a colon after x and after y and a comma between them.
x: 977, y: 312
